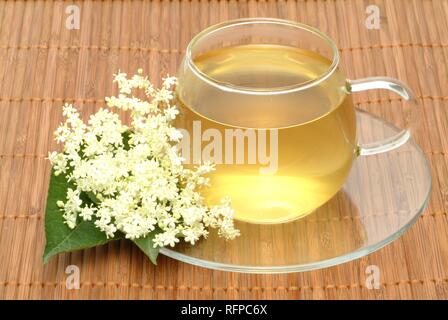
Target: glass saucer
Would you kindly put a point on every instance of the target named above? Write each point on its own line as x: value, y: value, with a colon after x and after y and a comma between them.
x: 383, y: 196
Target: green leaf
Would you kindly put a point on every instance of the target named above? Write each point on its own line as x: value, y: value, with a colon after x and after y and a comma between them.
x: 146, y: 244
x: 126, y: 137
x: 92, y: 197
x: 59, y: 237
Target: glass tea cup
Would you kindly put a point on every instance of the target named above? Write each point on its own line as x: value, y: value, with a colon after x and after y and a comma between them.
x: 265, y: 100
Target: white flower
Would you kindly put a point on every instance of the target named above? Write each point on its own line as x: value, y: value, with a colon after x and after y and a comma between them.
x: 167, y: 238
x: 171, y: 113
x: 87, y: 213
x: 174, y: 134
x: 70, y: 219
x: 168, y: 82
x: 191, y: 235
x: 73, y: 201
x: 135, y: 174
x: 71, y: 207
x: 193, y: 214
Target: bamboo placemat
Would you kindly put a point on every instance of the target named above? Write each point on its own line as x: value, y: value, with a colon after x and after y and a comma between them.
x: 43, y: 64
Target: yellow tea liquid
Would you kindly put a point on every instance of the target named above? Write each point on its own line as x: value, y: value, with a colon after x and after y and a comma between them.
x: 316, y: 131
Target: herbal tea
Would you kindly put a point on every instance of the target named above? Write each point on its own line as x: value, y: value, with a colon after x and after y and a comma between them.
x: 278, y: 156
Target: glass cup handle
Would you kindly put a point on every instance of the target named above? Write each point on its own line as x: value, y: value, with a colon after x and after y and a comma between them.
x: 393, y: 85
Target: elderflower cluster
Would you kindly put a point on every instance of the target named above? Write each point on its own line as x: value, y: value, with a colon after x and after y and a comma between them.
x: 134, y: 176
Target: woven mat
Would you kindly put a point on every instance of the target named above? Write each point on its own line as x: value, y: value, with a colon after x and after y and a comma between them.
x: 43, y: 64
